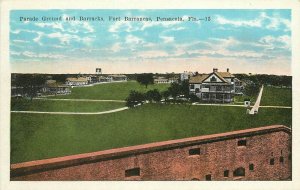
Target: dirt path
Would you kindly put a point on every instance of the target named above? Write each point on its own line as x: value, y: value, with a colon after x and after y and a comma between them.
x: 74, y: 113
x: 79, y: 100
x: 233, y: 105
x: 254, y: 109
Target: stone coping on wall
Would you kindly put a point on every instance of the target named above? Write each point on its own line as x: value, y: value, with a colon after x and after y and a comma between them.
x: 78, y: 159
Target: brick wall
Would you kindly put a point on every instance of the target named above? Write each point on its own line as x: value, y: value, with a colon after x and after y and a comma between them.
x: 197, y: 158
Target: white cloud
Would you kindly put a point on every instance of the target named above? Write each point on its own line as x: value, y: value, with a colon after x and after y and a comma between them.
x: 116, y: 47
x: 21, y: 41
x: 15, y: 53
x: 18, y: 31
x: 130, y: 39
x: 215, y: 47
x: 237, y: 23
x: 152, y: 54
x: 165, y: 24
x: 167, y: 39
x: 38, y: 38
x: 54, y: 25
x: 273, y: 22
x: 117, y: 26
x: 276, y: 21
x: 65, y: 38
x: 178, y: 28
x: 223, y: 43
x: 88, y: 27
x: 42, y: 55
x: 271, y: 42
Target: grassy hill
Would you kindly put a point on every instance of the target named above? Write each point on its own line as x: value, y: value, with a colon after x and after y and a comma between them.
x: 109, y: 91
x: 40, y: 136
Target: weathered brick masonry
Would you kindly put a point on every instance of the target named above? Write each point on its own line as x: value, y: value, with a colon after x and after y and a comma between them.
x: 254, y: 154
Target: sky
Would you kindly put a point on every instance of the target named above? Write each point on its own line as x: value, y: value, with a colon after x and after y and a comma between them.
x: 245, y: 41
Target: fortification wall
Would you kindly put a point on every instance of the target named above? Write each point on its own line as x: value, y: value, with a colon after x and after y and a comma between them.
x: 225, y: 156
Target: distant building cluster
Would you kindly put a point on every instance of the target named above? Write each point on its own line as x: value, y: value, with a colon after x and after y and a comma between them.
x: 52, y: 87
x: 164, y: 80
x: 92, y: 79
x: 62, y: 87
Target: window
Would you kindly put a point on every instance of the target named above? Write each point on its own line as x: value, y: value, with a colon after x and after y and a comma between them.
x: 132, y: 172
x: 197, y: 90
x: 242, y: 143
x: 213, y: 79
x: 194, y: 151
x: 192, y: 86
x: 251, y: 167
x: 205, y: 95
x: 281, y: 159
x: 208, y: 177
x: 272, y: 161
x: 195, y: 179
x: 239, y: 172
x: 226, y: 173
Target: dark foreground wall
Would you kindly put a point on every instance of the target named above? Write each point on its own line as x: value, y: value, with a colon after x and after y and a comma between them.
x: 254, y: 154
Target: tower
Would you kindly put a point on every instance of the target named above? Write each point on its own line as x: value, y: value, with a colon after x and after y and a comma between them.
x: 98, y: 71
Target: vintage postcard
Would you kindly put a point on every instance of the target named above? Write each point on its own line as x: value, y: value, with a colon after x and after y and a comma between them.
x: 161, y: 94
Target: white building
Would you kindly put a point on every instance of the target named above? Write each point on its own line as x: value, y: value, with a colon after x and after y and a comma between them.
x: 186, y: 75
x: 161, y: 80
x: 112, y: 78
x: 214, y: 87
x: 81, y: 81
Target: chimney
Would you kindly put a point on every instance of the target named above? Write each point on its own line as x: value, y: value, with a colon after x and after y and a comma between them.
x: 227, y: 70
x: 215, y: 70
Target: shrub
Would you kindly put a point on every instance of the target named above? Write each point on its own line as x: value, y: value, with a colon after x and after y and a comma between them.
x: 135, y: 98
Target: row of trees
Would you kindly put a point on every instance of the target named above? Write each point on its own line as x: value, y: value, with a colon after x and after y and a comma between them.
x: 176, y: 93
x: 30, y: 84
x: 263, y: 79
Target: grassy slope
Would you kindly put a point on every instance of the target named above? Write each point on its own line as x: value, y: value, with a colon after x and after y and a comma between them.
x: 32, y: 134
x: 110, y: 91
x: 64, y: 106
x: 276, y: 96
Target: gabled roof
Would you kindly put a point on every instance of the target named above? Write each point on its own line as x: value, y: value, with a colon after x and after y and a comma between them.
x: 198, y: 78
x: 202, y: 77
x: 226, y: 74
x: 117, y: 76
x: 161, y: 79
x: 80, y: 79
x: 219, y: 76
x: 50, y: 81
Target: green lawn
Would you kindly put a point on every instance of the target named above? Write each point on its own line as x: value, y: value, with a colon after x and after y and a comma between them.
x: 276, y: 96
x: 240, y: 99
x: 40, y: 136
x: 63, y: 106
x: 109, y: 91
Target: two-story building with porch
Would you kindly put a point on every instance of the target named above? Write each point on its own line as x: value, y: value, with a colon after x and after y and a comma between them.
x: 217, y: 87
